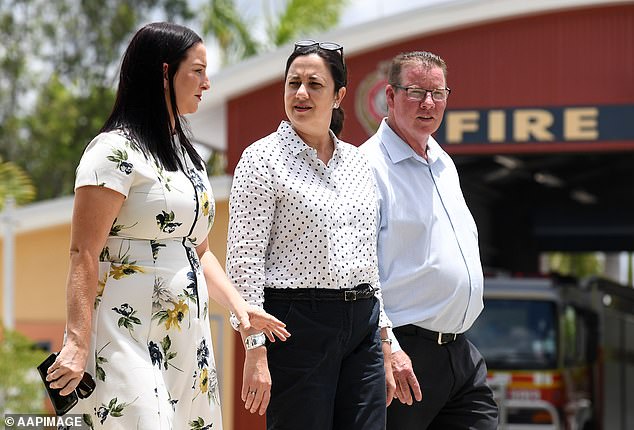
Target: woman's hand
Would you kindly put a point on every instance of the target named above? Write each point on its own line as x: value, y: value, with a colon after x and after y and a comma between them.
x: 390, y: 383
x: 256, y: 381
x: 67, y: 370
x: 258, y: 319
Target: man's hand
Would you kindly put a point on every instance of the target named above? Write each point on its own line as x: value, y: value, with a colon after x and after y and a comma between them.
x: 406, y: 382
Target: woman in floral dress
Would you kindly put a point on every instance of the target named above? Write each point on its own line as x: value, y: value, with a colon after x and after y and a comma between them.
x: 141, y: 272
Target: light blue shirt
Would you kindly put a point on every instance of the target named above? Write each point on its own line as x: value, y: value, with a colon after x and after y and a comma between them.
x: 429, y: 260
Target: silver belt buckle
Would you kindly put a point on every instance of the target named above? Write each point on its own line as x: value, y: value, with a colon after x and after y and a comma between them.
x: 440, y: 342
x: 350, y: 295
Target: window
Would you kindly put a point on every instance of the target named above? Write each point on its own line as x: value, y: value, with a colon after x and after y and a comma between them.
x: 514, y: 334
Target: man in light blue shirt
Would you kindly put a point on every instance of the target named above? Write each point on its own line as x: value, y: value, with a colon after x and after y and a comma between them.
x: 429, y: 261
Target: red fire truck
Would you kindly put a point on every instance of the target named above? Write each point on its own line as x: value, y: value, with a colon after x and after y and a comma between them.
x: 560, y: 353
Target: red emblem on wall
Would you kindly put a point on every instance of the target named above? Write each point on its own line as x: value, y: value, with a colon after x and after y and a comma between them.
x: 369, y: 105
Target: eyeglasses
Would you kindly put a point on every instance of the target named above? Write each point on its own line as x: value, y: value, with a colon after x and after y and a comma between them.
x: 309, y: 43
x: 416, y: 94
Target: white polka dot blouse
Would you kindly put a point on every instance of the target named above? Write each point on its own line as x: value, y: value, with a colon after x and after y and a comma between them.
x: 296, y: 222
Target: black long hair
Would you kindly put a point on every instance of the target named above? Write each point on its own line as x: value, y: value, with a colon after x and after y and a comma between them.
x: 140, y: 109
x: 335, y: 62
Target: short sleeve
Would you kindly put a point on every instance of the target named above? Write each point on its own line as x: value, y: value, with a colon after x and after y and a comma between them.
x: 107, y: 162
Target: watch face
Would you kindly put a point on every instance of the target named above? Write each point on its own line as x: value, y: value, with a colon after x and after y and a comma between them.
x: 255, y: 340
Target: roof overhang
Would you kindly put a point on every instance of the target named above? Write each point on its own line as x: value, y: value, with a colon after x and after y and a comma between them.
x: 56, y: 212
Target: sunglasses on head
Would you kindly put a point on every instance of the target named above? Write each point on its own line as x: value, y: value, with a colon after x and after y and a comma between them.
x: 327, y: 46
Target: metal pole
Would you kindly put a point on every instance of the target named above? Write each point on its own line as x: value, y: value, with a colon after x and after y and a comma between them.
x: 8, y: 219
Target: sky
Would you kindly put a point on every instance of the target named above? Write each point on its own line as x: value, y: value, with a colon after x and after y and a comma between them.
x: 356, y: 12
x: 359, y: 11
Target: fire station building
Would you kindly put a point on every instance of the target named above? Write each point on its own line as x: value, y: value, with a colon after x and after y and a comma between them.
x: 540, y: 124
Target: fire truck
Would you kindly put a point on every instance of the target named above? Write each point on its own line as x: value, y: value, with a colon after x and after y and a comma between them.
x: 560, y: 352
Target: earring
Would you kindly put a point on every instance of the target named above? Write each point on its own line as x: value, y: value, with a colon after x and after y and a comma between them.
x: 336, y: 105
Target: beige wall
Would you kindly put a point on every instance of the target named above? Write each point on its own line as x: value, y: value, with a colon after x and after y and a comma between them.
x: 41, y: 267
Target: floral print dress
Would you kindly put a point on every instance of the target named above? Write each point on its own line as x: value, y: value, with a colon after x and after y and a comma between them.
x: 151, y: 356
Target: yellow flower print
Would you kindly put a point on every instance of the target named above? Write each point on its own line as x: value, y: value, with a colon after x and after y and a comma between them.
x: 176, y: 315
x: 206, y: 205
x: 118, y: 271
x: 101, y: 284
x: 204, y: 381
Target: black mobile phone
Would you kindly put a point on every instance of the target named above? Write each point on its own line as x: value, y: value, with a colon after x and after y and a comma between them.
x: 61, y: 404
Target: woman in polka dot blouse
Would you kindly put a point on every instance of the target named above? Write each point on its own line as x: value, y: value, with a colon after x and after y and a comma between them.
x: 302, y: 244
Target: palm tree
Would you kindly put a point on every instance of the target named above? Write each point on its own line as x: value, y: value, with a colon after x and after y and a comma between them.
x: 16, y: 183
x: 302, y: 18
x: 222, y: 20
x: 299, y: 18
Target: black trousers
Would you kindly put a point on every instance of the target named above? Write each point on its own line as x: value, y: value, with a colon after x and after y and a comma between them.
x: 453, y: 381
x: 329, y: 374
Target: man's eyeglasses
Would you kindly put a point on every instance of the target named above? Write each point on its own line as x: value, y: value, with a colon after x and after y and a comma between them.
x: 328, y: 46
x: 420, y: 94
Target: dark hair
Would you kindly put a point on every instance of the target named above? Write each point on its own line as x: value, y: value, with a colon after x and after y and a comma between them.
x: 140, y: 109
x: 421, y: 57
x: 336, y: 63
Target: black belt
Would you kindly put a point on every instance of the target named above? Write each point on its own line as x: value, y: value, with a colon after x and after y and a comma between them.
x: 360, y: 292
x: 440, y: 338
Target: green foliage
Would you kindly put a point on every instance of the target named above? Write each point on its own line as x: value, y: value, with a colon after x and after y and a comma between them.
x: 304, y: 17
x: 14, y: 182
x: 230, y: 30
x: 18, y: 31
x: 299, y: 18
x: 579, y: 265
x: 59, y: 128
x: 217, y: 163
x: 58, y: 65
x: 21, y: 389
x: 59, y: 62
x: 89, y: 44
x: 21, y: 31
x: 177, y: 10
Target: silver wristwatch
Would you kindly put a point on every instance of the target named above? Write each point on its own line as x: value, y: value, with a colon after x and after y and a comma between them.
x: 254, y: 341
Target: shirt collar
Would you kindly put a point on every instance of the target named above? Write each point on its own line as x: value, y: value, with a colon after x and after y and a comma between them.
x: 297, y: 145
x: 398, y: 150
